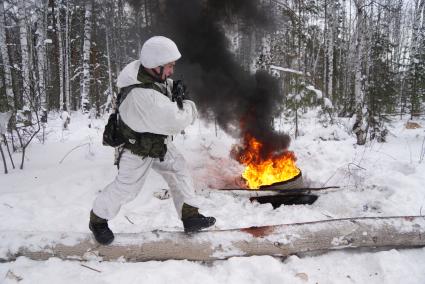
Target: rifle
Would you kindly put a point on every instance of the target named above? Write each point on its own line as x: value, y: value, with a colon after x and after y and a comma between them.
x: 178, y: 93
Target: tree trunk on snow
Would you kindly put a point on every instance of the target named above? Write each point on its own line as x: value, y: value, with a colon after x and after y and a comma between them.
x: 110, y: 89
x: 416, y: 45
x: 86, y: 57
x: 60, y: 44
x: 326, y: 48
x: 5, y: 57
x: 67, y: 55
x: 117, y: 35
x: 23, y: 34
x: 330, y: 47
x: 396, y: 34
x: 41, y: 54
x: 360, y: 127
x: 278, y: 240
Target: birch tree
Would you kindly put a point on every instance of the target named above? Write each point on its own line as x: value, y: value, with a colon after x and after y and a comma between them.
x: 86, y: 57
x: 66, y: 58
x: 25, y: 62
x: 76, y: 41
x: 396, y: 34
x: 117, y: 34
x: 52, y: 50
x: 5, y: 59
x: 360, y: 126
x: 60, y: 61
x: 110, y: 88
x: 331, y: 37
x: 41, y: 53
x: 416, y: 69
x: 363, y: 54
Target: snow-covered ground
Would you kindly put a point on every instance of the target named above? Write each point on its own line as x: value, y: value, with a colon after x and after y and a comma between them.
x: 55, y: 191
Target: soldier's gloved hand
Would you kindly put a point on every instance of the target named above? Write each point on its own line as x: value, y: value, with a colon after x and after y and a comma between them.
x: 179, y: 93
x: 190, y: 105
x: 186, y: 94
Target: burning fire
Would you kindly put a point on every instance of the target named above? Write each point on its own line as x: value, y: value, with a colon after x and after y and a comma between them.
x: 276, y: 167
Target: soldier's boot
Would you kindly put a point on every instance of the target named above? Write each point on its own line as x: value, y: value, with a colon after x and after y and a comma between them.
x: 100, y: 229
x: 193, y: 221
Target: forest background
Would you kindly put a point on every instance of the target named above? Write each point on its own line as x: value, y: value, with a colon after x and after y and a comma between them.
x: 363, y: 59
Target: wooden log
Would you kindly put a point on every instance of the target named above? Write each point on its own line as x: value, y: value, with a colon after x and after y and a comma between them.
x: 277, y: 240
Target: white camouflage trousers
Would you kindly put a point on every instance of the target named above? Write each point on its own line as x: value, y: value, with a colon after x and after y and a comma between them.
x: 132, y: 174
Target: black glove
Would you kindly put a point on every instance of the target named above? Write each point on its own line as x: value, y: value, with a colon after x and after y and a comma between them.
x: 179, y: 93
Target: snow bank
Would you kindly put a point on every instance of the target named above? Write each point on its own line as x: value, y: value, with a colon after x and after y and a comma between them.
x: 376, y: 179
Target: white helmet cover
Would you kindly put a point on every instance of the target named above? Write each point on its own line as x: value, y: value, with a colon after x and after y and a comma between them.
x: 158, y: 51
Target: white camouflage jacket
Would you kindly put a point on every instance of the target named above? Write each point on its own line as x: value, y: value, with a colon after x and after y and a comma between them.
x: 147, y: 110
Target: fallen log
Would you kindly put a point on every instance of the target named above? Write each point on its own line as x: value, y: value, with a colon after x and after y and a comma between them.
x: 276, y: 240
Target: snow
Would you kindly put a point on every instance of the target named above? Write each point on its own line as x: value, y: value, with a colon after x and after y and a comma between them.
x: 328, y: 103
x: 288, y: 70
x: 55, y: 191
x: 318, y: 93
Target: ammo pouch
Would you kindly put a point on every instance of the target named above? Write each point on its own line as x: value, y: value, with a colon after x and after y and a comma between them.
x: 111, y: 135
x: 144, y: 144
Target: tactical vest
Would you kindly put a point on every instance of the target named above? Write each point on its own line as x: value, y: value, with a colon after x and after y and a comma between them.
x: 144, y: 144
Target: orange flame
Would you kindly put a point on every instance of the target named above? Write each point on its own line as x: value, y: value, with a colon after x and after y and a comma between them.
x: 276, y: 167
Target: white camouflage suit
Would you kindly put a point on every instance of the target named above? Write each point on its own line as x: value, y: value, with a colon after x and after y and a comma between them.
x: 147, y: 110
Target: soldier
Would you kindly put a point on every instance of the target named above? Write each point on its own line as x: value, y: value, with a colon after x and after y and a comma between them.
x: 148, y: 117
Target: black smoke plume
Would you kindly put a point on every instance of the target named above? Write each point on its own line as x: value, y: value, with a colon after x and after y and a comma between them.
x: 240, y: 102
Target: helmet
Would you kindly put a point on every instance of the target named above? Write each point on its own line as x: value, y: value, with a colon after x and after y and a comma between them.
x: 157, y: 51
